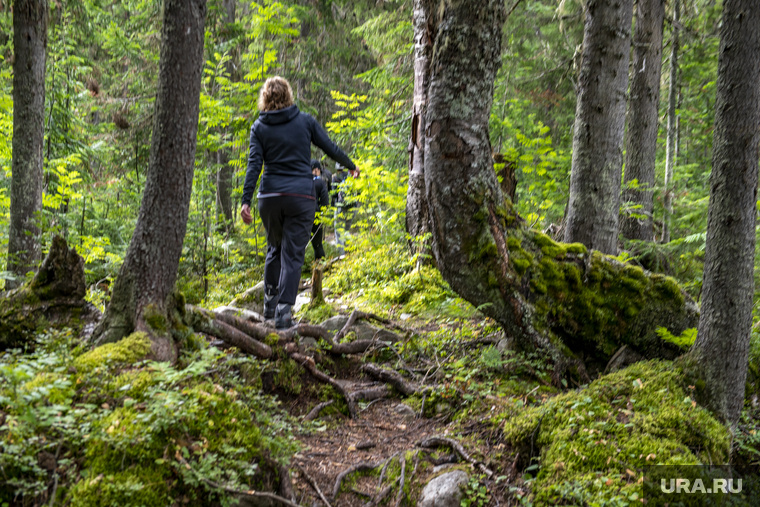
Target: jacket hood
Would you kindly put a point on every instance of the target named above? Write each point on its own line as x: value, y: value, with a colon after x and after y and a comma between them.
x: 279, y: 116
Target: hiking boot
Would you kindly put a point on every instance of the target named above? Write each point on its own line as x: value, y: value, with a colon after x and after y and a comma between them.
x: 283, y: 318
x: 271, y: 297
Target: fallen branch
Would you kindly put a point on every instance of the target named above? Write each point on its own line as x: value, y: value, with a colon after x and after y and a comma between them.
x: 205, y: 321
x: 313, y: 484
x: 457, y: 447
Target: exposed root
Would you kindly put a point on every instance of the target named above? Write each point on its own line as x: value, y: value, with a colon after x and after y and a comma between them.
x: 314, y: 412
x: 361, y: 467
x: 391, y: 377
x: 457, y: 447
x: 308, y: 363
x: 400, y: 494
x: 381, y: 496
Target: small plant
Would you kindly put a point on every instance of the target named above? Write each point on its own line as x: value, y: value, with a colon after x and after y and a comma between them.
x: 475, y: 493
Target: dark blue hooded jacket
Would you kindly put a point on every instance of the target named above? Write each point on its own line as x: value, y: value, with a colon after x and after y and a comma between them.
x: 282, y: 141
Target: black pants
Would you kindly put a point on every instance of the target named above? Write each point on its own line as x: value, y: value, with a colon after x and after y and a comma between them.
x: 288, y: 221
x: 317, y: 235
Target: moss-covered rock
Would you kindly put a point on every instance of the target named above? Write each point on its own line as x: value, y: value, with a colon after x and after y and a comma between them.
x: 594, y: 443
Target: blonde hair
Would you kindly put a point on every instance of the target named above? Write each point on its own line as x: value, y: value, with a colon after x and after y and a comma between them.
x: 275, y: 94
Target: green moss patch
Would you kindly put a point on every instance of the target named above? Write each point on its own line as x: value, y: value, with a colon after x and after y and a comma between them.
x: 127, y: 350
x: 593, y: 444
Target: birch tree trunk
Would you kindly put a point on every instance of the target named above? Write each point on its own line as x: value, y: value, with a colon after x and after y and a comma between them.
x: 722, y: 344
x: 417, y: 217
x: 142, y: 293
x: 30, y: 21
x: 592, y: 217
x: 643, y: 106
x: 670, y: 144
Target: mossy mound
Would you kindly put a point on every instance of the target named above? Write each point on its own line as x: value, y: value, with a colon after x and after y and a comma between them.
x: 594, y: 443
x: 126, y: 351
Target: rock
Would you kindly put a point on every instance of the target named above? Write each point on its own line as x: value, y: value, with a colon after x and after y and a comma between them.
x: 504, y: 345
x: 252, y: 299
x: 363, y: 330
x: 308, y: 343
x: 301, y: 299
x: 444, y: 491
x: 405, y: 411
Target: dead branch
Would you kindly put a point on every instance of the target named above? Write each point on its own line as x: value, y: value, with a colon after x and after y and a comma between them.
x: 314, y: 412
x: 361, y: 467
x: 205, y: 321
x: 436, y: 441
x: 313, y: 484
x: 391, y: 377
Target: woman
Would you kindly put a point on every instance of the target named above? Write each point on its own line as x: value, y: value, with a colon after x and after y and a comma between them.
x: 281, y: 139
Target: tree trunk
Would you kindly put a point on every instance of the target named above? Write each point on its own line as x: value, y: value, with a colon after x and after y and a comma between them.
x: 670, y: 144
x: 722, y: 344
x: 30, y: 20
x: 417, y: 218
x: 643, y: 106
x: 541, y: 292
x: 141, y: 294
x: 592, y: 217
x: 226, y: 171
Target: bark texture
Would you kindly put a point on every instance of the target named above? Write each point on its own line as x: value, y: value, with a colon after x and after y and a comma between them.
x: 722, y: 344
x: 592, y: 217
x: 580, y: 304
x: 643, y: 104
x: 30, y: 21
x: 417, y: 217
x: 671, y: 145
x: 141, y: 295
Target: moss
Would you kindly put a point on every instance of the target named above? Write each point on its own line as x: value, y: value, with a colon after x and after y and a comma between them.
x: 591, y: 441
x: 156, y: 319
x: 128, y: 350
x: 317, y: 313
x: 54, y: 388
x: 288, y: 377
x: 141, y: 486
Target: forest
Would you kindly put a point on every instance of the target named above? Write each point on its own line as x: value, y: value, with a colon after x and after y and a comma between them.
x: 538, y: 287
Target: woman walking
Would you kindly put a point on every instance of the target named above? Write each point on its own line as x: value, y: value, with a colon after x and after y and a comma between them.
x: 281, y: 140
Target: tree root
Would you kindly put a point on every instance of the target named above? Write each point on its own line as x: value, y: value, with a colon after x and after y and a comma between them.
x: 314, y: 412
x: 361, y: 467
x: 391, y: 377
x: 206, y: 321
x: 436, y: 441
x: 308, y: 363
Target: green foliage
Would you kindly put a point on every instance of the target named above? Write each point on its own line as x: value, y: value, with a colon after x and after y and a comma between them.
x: 134, y: 433
x: 684, y: 340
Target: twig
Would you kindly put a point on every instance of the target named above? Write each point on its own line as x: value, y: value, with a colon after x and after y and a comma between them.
x: 457, y: 447
x: 313, y: 484
x: 361, y: 467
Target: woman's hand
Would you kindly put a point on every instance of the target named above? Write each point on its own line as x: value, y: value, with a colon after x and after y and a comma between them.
x: 245, y: 213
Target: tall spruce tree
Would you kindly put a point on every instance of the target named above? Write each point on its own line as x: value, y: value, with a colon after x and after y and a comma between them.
x: 593, y: 209
x: 643, y: 105
x: 142, y: 295
x: 722, y: 344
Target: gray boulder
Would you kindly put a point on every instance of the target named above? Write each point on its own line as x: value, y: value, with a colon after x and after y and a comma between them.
x: 444, y: 491
x: 363, y: 330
